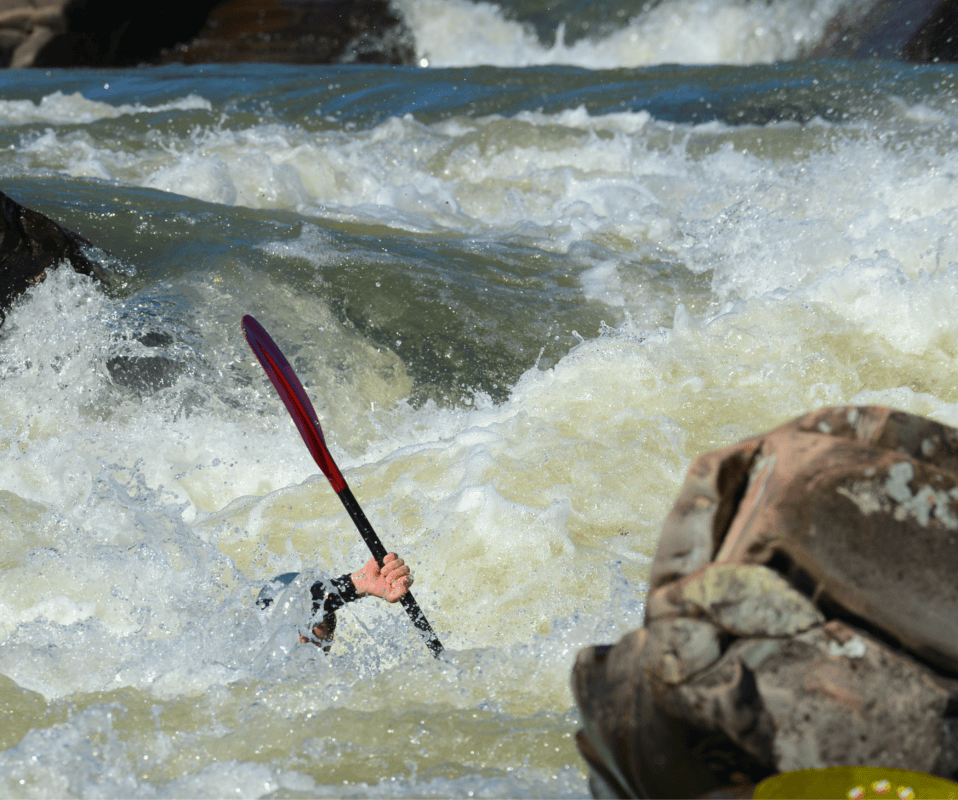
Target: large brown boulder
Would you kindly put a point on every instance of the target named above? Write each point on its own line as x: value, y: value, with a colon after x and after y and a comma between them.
x: 802, y: 613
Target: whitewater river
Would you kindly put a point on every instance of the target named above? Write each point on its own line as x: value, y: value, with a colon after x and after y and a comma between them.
x: 524, y: 284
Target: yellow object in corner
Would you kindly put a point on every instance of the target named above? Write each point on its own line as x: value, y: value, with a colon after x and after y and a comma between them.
x: 856, y: 783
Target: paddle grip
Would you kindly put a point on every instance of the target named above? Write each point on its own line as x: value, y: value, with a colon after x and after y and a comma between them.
x: 375, y: 546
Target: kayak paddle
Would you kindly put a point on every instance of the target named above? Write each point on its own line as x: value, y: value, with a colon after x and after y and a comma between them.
x: 297, y: 403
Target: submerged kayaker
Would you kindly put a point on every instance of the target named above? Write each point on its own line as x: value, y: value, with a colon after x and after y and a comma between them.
x: 390, y: 583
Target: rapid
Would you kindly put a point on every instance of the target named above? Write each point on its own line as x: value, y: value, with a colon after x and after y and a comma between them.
x: 524, y: 285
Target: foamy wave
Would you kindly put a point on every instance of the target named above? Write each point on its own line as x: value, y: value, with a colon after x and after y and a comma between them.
x: 675, y: 32
x: 915, y: 315
x: 75, y: 109
x: 716, y: 200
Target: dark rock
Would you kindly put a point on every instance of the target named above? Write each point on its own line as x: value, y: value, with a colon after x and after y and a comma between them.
x: 300, y: 32
x: 937, y: 38
x: 913, y: 30
x: 115, y: 33
x: 30, y: 244
x: 802, y: 613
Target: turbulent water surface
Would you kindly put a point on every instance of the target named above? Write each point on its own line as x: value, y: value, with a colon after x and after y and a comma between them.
x: 524, y: 287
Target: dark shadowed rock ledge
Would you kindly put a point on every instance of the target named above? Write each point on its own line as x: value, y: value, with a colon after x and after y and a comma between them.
x: 117, y: 33
x: 298, y: 32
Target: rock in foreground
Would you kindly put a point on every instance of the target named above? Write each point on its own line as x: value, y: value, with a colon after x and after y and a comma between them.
x: 802, y: 613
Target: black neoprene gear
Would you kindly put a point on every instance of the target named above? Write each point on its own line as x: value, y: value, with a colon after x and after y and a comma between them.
x: 341, y: 591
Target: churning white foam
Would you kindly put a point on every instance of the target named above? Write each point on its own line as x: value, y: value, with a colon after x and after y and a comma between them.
x: 75, y: 109
x: 756, y: 208
x: 673, y: 32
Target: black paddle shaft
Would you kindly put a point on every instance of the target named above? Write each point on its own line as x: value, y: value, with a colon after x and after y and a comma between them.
x: 379, y: 553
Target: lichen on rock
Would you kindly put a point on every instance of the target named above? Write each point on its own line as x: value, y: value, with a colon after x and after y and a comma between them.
x: 802, y: 613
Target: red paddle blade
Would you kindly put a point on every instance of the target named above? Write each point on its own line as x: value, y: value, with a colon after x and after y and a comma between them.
x: 294, y: 397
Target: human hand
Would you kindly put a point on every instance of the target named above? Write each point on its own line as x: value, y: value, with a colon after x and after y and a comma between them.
x: 390, y: 582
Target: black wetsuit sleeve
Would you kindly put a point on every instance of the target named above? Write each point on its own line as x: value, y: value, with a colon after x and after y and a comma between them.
x: 340, y: 591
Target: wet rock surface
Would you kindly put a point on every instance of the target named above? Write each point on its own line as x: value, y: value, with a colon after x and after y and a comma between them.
x: 802, y: 613
x: 30, y: 244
